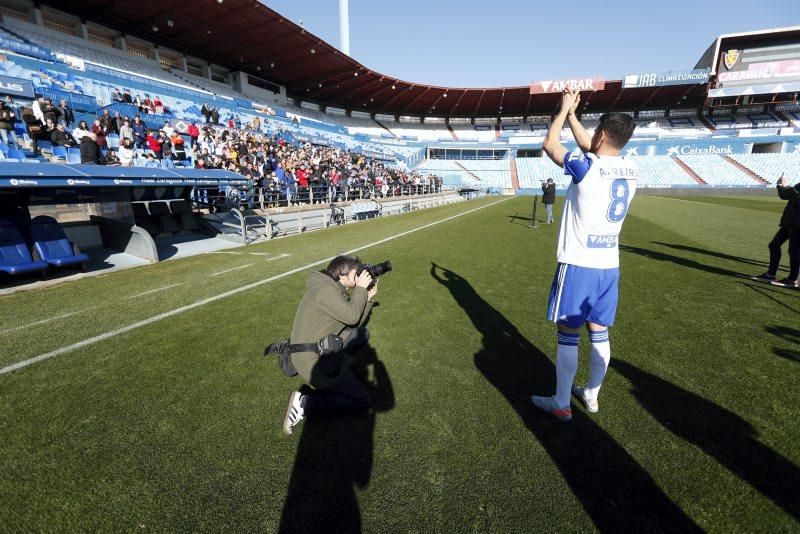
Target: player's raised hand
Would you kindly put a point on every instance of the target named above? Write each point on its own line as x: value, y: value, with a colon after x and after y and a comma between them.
x: 574, y: 107
x: 568, y: 99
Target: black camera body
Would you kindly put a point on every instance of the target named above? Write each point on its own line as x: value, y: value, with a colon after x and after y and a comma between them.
x: 374, y: 271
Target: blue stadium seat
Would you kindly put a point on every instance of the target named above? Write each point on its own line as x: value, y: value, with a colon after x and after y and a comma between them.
x: 52, y: 244
x: 4, y: 149
x: 73, y: 157
x: 15, y: 258
x: 60, y: 151
x: 16, y: 153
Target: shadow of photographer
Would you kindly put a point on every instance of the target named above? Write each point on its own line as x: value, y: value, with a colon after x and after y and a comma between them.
x: 334, y: 457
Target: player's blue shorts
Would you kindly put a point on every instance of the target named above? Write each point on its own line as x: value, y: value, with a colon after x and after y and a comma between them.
x: 581, y: 294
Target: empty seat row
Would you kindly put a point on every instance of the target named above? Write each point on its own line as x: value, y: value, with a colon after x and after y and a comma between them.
x: 159, y: 217
x: 36, y: 246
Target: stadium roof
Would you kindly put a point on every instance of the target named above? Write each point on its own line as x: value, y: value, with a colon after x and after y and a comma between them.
x: 248, y: 36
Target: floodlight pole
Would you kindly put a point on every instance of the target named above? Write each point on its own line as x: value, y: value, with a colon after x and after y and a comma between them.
x: 344, y: 27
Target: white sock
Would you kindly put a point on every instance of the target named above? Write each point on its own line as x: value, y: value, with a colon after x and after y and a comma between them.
x: 598, y: 362
x: 566, y: 366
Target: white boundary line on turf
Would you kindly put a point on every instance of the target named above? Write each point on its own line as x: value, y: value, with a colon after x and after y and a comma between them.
x: 692, y: 201
x: 248, y: 287
x: 233, y: 269
x: 43, y: 321
x: 279, y: 257
x: 156, y: 290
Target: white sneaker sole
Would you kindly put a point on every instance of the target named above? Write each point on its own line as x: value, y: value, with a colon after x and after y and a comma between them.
x: 287, y: 425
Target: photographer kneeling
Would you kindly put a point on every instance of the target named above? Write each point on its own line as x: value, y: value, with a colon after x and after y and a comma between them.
x: 327, y: 307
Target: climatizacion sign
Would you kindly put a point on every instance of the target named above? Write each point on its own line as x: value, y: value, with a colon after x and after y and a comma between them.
x: 16, y: 87
x: 659, y: 79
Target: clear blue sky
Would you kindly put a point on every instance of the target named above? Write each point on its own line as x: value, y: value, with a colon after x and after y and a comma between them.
x: 514, y: 42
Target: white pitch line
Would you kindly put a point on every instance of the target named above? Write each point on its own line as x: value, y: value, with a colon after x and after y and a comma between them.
x: 233, y: 269
x: 157, y: 290
x: 224, y: 252
x: 248, y: 287
x: 43, y: 321
x: 260, y: 253
x: 279, y: 257
x: 692, y: 201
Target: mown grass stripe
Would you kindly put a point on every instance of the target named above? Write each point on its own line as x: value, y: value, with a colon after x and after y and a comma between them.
x: 113, y: 333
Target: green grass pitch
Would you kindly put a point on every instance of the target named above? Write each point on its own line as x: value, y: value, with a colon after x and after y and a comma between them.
x: 175, y: 425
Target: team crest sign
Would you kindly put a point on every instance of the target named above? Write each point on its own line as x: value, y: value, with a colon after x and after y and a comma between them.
x: 731, y: 57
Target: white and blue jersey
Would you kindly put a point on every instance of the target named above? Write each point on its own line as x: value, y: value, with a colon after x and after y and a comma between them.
x: 585, y: 285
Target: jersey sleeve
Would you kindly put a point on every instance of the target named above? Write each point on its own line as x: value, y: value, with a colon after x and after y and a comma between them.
x: 576, y: 164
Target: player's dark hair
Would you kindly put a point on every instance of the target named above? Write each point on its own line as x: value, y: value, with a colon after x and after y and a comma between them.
x: 341, y: 265
x: 618, y: 127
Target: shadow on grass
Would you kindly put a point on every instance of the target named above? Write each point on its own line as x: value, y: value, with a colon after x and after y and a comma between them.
x: 787, y: 334
x: 678, y: 260
x: 721, y: 434
x: 334, y: 457
x: 765, y: 292
x: 617, y: 494
x: 697, y: 250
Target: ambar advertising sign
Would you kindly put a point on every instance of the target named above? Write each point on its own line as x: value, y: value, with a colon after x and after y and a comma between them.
x: 576, y: 84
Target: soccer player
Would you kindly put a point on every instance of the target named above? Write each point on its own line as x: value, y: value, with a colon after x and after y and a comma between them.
x: 584, y: 290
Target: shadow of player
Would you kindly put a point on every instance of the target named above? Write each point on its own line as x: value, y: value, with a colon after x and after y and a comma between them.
x: 611, y: 486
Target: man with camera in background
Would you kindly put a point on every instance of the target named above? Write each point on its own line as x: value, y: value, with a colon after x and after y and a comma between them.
x: 548, y: 198
x: 337, y: 301
x: 789, y: 231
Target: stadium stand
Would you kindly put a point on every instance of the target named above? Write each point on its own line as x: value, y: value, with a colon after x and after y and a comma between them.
x: 716, y: 171
x: 769, y: 167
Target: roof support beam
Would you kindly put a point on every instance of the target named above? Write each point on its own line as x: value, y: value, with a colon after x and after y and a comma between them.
x: 450, y: 111
x: 478, y: 105
x: 395, y: 97
x: 405, y: 109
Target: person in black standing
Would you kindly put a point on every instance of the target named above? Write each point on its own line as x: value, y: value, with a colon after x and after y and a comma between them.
x: 789, y: 231
x: 548, y: 198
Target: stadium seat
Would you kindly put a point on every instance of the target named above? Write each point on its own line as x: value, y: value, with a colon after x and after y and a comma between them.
x: 166, y: 220
x: 4, y: 149
x: 17, y: 154
x: 52, y: 244
x: 15, y: 257
x: 73, y: 158
x: 182, y: 209
x: 60, y: 152
x: 143, y: 219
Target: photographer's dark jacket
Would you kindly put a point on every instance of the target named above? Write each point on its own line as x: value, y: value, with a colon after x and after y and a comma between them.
x: 549, y: 194
x: 326, y: 308
x: 791, y: 213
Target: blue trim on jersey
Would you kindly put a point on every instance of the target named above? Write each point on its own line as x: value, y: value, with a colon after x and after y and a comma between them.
x: 582, y: 294
x: 577, y: 165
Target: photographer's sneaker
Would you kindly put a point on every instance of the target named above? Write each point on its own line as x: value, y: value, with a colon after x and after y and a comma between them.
x: 294, y: 412
x: 786, y: 282
x: 591, y: 405
x: 764, y: 277
x: 548, y: 404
